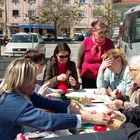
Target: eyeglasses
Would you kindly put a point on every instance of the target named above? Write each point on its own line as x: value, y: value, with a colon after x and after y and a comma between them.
x: 133, y: 70
x: 102, y: 33
x: 62, y: 56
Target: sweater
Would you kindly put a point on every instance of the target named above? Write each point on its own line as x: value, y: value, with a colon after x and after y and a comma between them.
x: 16, y: 112
x: 88, y: 63
x: 114, y: 81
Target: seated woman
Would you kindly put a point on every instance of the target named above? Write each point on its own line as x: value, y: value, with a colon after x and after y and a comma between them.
x: 113, y: 74
x: 20, y: 105
x: 60, y: 70
x: 132, y: 97
x: 38, y: 58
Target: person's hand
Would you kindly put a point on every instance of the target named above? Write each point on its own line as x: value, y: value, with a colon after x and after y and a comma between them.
x: 43, y: 88
x: 95, y: 118
x: 114, y: 115
x: 72, y: 81
x: 106, y: 63
x: 116, y: 104
x: 114, y: 124
x: 62, y: 77
x: 80, y: 80
x: 116, y: 94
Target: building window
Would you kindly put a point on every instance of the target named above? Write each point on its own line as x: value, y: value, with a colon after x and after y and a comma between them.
x: 31, y: 0
x: 82, y: 13
x: 15, y: 0
x: 82, y: 1
x: 30, y: 13
x: 97, y: 1
x: 0, y: 14
x: 15, y: 12
x: 66, y: 1
x: 47, y: 0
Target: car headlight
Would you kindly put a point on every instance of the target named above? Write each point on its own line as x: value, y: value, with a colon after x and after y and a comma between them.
x: 8, y: 48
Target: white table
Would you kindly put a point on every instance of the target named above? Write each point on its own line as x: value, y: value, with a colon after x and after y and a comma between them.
x: 98, y: 104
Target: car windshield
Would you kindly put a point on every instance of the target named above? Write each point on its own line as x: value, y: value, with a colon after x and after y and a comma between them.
x: 24, y: 38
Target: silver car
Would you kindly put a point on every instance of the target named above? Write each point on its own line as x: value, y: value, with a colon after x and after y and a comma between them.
x: 22, y: 42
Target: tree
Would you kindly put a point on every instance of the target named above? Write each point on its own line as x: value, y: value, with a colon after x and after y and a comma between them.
x: 60, y: 14
x: 110, y: 12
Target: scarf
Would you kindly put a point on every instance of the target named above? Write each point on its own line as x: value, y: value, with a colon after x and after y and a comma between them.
x: 97, y: 46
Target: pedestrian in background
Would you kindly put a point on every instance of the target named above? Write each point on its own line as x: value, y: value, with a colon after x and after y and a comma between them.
x: 90, y: 53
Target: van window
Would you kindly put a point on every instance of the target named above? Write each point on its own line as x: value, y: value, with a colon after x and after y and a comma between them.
x: 136, y: 27
x: 127, y: 27
x: 131, y: 28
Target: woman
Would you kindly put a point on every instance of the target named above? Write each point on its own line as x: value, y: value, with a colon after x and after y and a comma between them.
x: 90, y: 52
x: 132, y: 97
x: 113, y: 74
x: 60, y: 70
x: 38, y: 58
x: 20, y: 105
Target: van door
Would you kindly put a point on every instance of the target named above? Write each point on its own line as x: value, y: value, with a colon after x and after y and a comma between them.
x: 130, y: 41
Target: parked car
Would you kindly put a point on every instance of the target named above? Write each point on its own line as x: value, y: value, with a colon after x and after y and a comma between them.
x: 46, y: 36
x: 64, y: 36
x: 22, y: 42
x: 78, y: 38
x: 87, y: 35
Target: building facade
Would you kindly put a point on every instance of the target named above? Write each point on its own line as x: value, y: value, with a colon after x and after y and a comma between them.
x: 14, y: 16
x: 3, y: 20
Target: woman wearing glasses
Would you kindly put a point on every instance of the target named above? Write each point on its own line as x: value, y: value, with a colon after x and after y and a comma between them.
x: 60, y: 70
x: 90, y: 52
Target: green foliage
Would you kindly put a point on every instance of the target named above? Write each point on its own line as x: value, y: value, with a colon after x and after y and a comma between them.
x: 110, y: 12
x: 60, y: 14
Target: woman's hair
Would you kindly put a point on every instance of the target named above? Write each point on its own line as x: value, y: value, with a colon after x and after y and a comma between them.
x: 98, y: 24
x: 62, y: 47
x: 20, y: 74
x: 35, y: 55
x: 135, y: 60
x: 115, y: 53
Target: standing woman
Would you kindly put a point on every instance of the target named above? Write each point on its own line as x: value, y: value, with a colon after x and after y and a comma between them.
x: 90, y: 52
x: 60, y: 70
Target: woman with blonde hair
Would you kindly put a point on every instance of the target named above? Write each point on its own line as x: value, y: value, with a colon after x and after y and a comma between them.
x: 113, y: 74
x: 19, y: 104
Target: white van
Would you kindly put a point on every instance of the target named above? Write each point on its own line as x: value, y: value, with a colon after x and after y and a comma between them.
x: 130, y: 36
